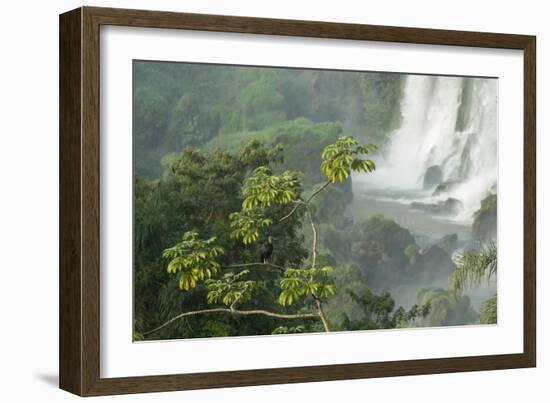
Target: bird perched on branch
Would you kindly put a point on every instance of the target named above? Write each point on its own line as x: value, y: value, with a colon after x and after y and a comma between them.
x: 266, y: 250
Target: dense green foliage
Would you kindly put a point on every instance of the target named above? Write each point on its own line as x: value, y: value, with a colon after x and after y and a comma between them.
x: 176, y: 105
x: 445, y: 309
x: 378, y: 240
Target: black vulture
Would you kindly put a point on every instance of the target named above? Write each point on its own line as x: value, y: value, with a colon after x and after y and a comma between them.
x: 266, y: 250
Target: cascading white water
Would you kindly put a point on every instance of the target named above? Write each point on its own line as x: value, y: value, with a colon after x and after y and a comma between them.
x: 450, y: 122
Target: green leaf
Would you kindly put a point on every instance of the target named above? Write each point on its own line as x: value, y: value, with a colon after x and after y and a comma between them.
x: 338, y: 161
x: 193, y: 259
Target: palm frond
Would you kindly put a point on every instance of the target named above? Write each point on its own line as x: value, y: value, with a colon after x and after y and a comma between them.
x: 473, y: 267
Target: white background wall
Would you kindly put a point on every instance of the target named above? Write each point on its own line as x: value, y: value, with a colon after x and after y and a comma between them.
x: 29, y: 198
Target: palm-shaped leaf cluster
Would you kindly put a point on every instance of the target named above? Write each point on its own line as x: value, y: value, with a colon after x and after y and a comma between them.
x: 193, y: 259
x: 246, y: 224
x: 313, y: 282
x: 262, y: 190
x: 343, y: 157
x: 289, y: 329
x: 231, y: 289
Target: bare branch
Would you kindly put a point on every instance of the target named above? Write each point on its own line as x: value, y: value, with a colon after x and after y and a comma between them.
x: 182, y: 315
x: 275, y: 314
x: 318, y: 191
x: 314, y: 241
x: 236, y: 312
x: 299, y: 203
x: 280, y: 268
x: 322, y: 314
x: 291, y: 211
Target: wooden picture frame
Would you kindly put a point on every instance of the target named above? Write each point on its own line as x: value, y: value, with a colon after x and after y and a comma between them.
x: 79, y: 346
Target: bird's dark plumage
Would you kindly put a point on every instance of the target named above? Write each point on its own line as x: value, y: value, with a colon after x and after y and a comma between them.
x: 266, y: 250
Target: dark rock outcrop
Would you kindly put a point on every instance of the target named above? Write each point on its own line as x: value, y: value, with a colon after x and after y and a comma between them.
x: 449, y: 206
x: 449, y: 243
x: 432, y: 177
x: 452, y: 206
x: 434, y: 263
x: 445, y: 187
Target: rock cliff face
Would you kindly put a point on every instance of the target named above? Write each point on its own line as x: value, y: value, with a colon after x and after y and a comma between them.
x: 485, y: 219
x: 449, y: 243
x: 446, y: 207
x: 433, y: 264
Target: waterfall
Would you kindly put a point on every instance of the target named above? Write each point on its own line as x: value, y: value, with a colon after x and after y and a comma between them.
x: 448, y: 122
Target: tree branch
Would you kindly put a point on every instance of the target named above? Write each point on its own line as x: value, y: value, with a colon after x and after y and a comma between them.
x: 275, y: 314
x: 318, y: 191
x: 314, y: 242
x: 298, y: 203
x: 235, y: 312
x: 280, y: 268
x: 182, y: 315
x: 291, y: 212
x: 322, y: 314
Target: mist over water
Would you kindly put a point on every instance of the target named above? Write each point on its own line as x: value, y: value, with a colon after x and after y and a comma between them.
x: 447, y: 122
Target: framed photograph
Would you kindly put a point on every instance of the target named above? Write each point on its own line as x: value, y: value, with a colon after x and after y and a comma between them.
x: 249, y: 201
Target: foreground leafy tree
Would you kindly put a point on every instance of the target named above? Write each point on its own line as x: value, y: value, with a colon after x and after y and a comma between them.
x: 197, y: 192
x: 269, y: 201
